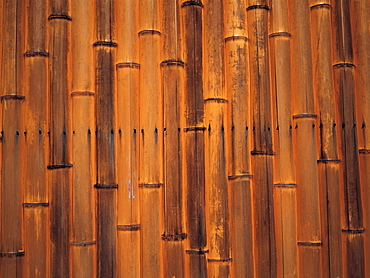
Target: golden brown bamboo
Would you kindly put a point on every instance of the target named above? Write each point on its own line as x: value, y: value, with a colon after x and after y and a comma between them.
x: 35, y: 200
x: 60, y: 138
x: 344, y: 71
x: 151, y: 140
x: 83, y: 238
x: 239, y: 171
x: 284, y: 171
x: 328, y: 167
x: 105, y: 110
x: 262, y: 168
x: 128, y: 245
x: 172, y: 80
x: 194, y: 171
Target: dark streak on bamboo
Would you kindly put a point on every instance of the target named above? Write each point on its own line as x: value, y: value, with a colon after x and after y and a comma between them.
x: 321, y: 5
x: 83, y: 243
x: 105, y: 185
x: 328, y: 160
x: 149, y: 32
x: 82, y: 93
x: 128, y: 65
x: 15, y: 97
x: 200, y: 251
x: 150, y: 185
x: 285, y: 185
x: 344, y: 64
x: 216, y: 99
x: 220, y: 260
x: 195, y: 128
x: 192, y: 3
x: 310, y: 243
x: 236, y: 37
x: 59, y: 166
x: 173, y: 63
x: 240, y: 176
x: 253, y: 7
x: 36, y: 53
x: 304, y: 115
x: 130, y: 227
x: 12, y: 254
x: 353, y: 231
x: 364, y: 151
x: 33, y: 205
x: 179, y: 237
x: 59, y: 16
x: 268, y: 152
x: 105, y: 43
x: 280, y: 34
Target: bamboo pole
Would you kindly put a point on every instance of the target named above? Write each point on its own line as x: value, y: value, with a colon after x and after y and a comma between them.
x: 192, y: 24
x: 284, y: 171
x: 83, y: 244
x: 60, y: 138
x: 172, y: 78
x: 304, y: 120
x: 36, y: 199
x: 215, y: 145
x: 105, y: 107
x: 328, y: 167
x: 151, y: 139
x: 239, y: 175
x: 344, y: 71
x: 262, y: 168
x: 360, y: 12
x: 11, y: 225
x: 128, y: 245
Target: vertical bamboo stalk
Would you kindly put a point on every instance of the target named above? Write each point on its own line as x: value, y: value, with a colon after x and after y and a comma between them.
x: 11, y: 225
x: 192, y: 23
x: 60, y: 138
x: 304, y: 119
x: 328, y: 168
x: 237, y: 86
x: 172, y: 78
x: 105, y: 107
x: 128, y: 246
x: 262, y: 168
x: 36, y: 126
x: 284, y: 171
x: 151, y: 139
x: 215, y: 144
x: 344, y: 71
x: 83, y: 237
x: 361, y: 35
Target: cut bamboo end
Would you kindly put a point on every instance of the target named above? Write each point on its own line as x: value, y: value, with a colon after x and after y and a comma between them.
x: 321, y: 5
x: 280, y: 34
x: 106, y: 185
x: 304, y: 115
x: 35, y: 205
x: 149, y: 32
x: 285, y: 185
x: 59, y: 16
x: 128, y: 65
x: 220, y: 260
x: 239, y: 176
x: 105, y: 43
x: 13, y: 97
x: 59, y: 166
x: 310, y: 243
x: 199, y: 252
x: 150, y: 185
x: 83, y: 243
x: 82, y: 93
x: 344, y: 65
x: 129, y: 227
x: 216, y: 99
x: 179, y: 237
x: 254, y: 7
x: 328, y: 160
x: 36, y: 53
x: 173, y: 63
x: 364, y: 151
x: 195, y: 128
x: 235, y: 38
x: 353, y: 231
x: 192, y: 3
x: 256, y: 152
x: 12, y: 254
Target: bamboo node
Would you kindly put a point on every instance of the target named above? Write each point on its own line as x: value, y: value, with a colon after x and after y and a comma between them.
x: 304, y: 115
x: 34, y: 205
x: 195, y: 128
x: 199, y: 252
x: 178, y: 237
x: 216, y: 99
x: 257, y: 152
x: 328, y: 160
x: 173, y: 63
x: 83, y: 243
x: 105, y: 43
x: 236, y: 37
x: 192, y: 3
x: 105, y: 185
x: 253, y: 7
x: 130, y: 227
x: 364, y: 151
x: 321, y: 5
x: 59, y: 166
x: 220, y: 260
x: 82, y: 93
x: 310, y: 243
x: 150, y: 185
x: 35, y: 53
x: 59, y: 16
x: 15, y: 97
x: 354, y: 231
x: 344, y: 64
x: 20, y: 253
x: 285, y: 185
x: 240, y: 176
x: 128, y: 65
x: 280, y: 34
x: 149, y: 31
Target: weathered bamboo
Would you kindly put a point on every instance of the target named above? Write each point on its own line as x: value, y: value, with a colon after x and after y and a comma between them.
x: 60, y: 138
x: 35, y: 200
x: 172, y: 79
x: 83, y: 236
x: 12, y: 137
x: 128, y: 245
x: 360, y: 12
x: 151, y: 140
x: 105, y: 107
x: 304, y: 119
x: 237, y: 85
x: 284, y: 171
x: 194, y: 138
x: 328, y: 167
x: 344, y: 71
x: 262, y: 168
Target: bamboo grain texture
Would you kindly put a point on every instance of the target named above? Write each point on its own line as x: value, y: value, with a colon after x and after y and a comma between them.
x: 184, y: 138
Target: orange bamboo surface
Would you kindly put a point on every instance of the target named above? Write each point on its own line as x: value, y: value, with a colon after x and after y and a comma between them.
x: 184, y: 138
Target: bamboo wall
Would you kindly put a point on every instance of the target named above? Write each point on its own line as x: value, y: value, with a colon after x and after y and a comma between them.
x: 158, y: 138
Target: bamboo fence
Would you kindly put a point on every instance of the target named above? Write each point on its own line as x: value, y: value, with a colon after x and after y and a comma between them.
x: 157, y: 138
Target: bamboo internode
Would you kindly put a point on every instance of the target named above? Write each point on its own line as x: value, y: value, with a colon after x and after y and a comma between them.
x: 184, y: 138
